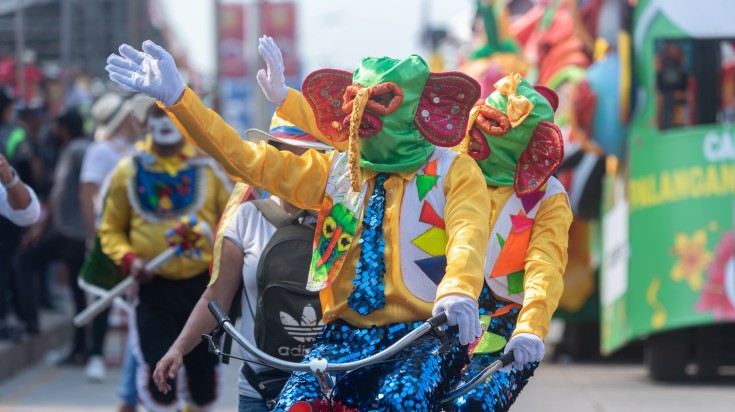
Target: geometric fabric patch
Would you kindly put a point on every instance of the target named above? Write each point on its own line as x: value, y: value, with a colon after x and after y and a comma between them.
x: 490, y: 343
x: 434, y: 267
x: 430, y: 217
x: 530, y: 200
x: 501, y: 241
x: 515, y: 282
x: 424, y: 184
x: 520, y: 222
x: 430, y: 169
x: 433, y: 242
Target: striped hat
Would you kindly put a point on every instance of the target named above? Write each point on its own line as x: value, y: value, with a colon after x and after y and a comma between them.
x: 286, y: 133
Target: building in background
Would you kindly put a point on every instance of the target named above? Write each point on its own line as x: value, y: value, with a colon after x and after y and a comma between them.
x: 57, y: 41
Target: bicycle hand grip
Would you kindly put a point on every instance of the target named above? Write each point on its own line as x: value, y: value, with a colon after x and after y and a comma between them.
x: 438, y: 320
x: 507, y: 358
x: 218, y: 312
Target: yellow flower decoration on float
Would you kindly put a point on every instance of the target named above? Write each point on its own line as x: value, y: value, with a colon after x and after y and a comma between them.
x: 518, y: 107
x: 693, y: 258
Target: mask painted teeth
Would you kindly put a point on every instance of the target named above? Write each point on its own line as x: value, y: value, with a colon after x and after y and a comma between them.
x: 369, y: 126
x: 479, y: 148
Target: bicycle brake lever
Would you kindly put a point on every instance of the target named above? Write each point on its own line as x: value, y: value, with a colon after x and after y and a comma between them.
x: 211, y: 345
x: 211, y: 340
x: 446, y: 342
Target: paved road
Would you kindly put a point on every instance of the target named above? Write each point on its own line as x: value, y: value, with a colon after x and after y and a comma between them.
x: 555, y: 388
x: 53, y: 389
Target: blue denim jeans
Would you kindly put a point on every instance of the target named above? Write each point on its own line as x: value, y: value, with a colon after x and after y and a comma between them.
x: 126, y: 390
x: 247, y: 404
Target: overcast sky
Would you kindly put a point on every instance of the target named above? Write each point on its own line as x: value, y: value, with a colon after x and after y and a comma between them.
x: 331, y: 33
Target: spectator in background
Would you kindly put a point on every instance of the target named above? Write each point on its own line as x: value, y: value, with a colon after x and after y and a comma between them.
x: 16, y: 149
x: 18, y: 202
x: 61, y: 235
x: 14, y: 143
x: 119, y: 123
x: 36, y: 121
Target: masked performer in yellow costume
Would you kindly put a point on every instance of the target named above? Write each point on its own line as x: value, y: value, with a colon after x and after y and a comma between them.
x: 402, y: 228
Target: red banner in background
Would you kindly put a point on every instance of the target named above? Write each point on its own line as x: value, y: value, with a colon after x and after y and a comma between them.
x: 278, y: 20
x: 232, y: 40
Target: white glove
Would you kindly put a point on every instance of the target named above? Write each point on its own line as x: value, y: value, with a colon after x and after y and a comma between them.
x: 463, y: 312
x: 153, y: 73
x: 272, y: 81
x: 526, y: 348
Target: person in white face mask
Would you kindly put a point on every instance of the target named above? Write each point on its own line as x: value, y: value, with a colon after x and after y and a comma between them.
x: 163, y: 181
x: 163, y: 132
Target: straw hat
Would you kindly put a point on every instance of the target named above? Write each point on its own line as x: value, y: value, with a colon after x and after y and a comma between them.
x: 111, y: 109
x: 140, y: 104
x: 286, y: 133
x: 108, y: 112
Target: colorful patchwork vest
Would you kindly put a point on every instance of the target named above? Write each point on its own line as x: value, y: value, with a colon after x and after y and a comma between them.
x: 509, y: 239
x: 158, y: 196
x: 423, y: 239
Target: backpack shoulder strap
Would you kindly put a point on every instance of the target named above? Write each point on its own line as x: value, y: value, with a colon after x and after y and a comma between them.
x: 273, y: 212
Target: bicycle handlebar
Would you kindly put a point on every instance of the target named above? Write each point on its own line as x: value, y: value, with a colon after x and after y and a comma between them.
x: 321, y: 365
x: 481, y: 377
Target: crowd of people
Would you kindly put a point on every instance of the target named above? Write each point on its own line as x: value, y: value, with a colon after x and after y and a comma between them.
x: 58, y: 163
x: 350, y: 160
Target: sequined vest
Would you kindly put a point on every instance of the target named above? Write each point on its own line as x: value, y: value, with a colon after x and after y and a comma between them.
x: 423, y: 239
x: 509, y: 240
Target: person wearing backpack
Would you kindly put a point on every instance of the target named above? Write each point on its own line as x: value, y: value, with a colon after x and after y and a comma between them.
x: 263, y: 247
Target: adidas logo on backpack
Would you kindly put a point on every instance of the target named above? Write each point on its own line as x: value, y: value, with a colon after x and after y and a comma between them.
x: 304, y: 331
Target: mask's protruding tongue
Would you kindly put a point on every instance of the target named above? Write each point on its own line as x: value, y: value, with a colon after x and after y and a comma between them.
x: 353, y: 157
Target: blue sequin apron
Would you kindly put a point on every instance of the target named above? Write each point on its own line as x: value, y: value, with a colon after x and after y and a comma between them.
x: 411, y: 383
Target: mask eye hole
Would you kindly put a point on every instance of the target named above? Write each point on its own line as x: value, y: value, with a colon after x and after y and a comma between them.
x: 492, y: 121
x: 329, y: 227
x: 343, y: 244
x: 348, y: 99
x: 385, y: 98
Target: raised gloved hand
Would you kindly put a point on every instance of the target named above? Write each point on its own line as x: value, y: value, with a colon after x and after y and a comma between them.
x: 272, y: 80
x: 152, y: 72
x: 463, y: 312
x: 526, y: 348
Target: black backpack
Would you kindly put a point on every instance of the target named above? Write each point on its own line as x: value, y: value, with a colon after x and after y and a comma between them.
x: 287, y: 316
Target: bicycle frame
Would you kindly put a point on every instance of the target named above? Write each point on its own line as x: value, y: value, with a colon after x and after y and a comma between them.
x: 321, y: 368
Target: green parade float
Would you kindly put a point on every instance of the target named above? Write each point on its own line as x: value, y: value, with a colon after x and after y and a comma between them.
x: 647, y: 90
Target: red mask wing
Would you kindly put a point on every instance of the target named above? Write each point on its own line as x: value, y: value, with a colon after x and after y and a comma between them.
x: 540, y: 160
x: 444, y: 107
x: 324, y: 90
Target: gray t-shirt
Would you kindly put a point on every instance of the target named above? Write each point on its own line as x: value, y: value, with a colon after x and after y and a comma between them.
x: 66, y: 213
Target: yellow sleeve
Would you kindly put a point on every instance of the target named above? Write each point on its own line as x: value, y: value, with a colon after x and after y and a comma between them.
x: 466, y: 216
x: 114, y: 228
x: 546, y: 259
x: 296, y: 109
x: 222, y: 194
x: 297, y: 180
x: 234, y: 201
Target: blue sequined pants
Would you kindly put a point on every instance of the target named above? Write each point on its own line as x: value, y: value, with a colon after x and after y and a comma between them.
x: 412, y: 382
x: 498, y: 393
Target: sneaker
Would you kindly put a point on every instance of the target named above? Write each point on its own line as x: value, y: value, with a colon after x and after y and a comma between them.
x: 95, y: 369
